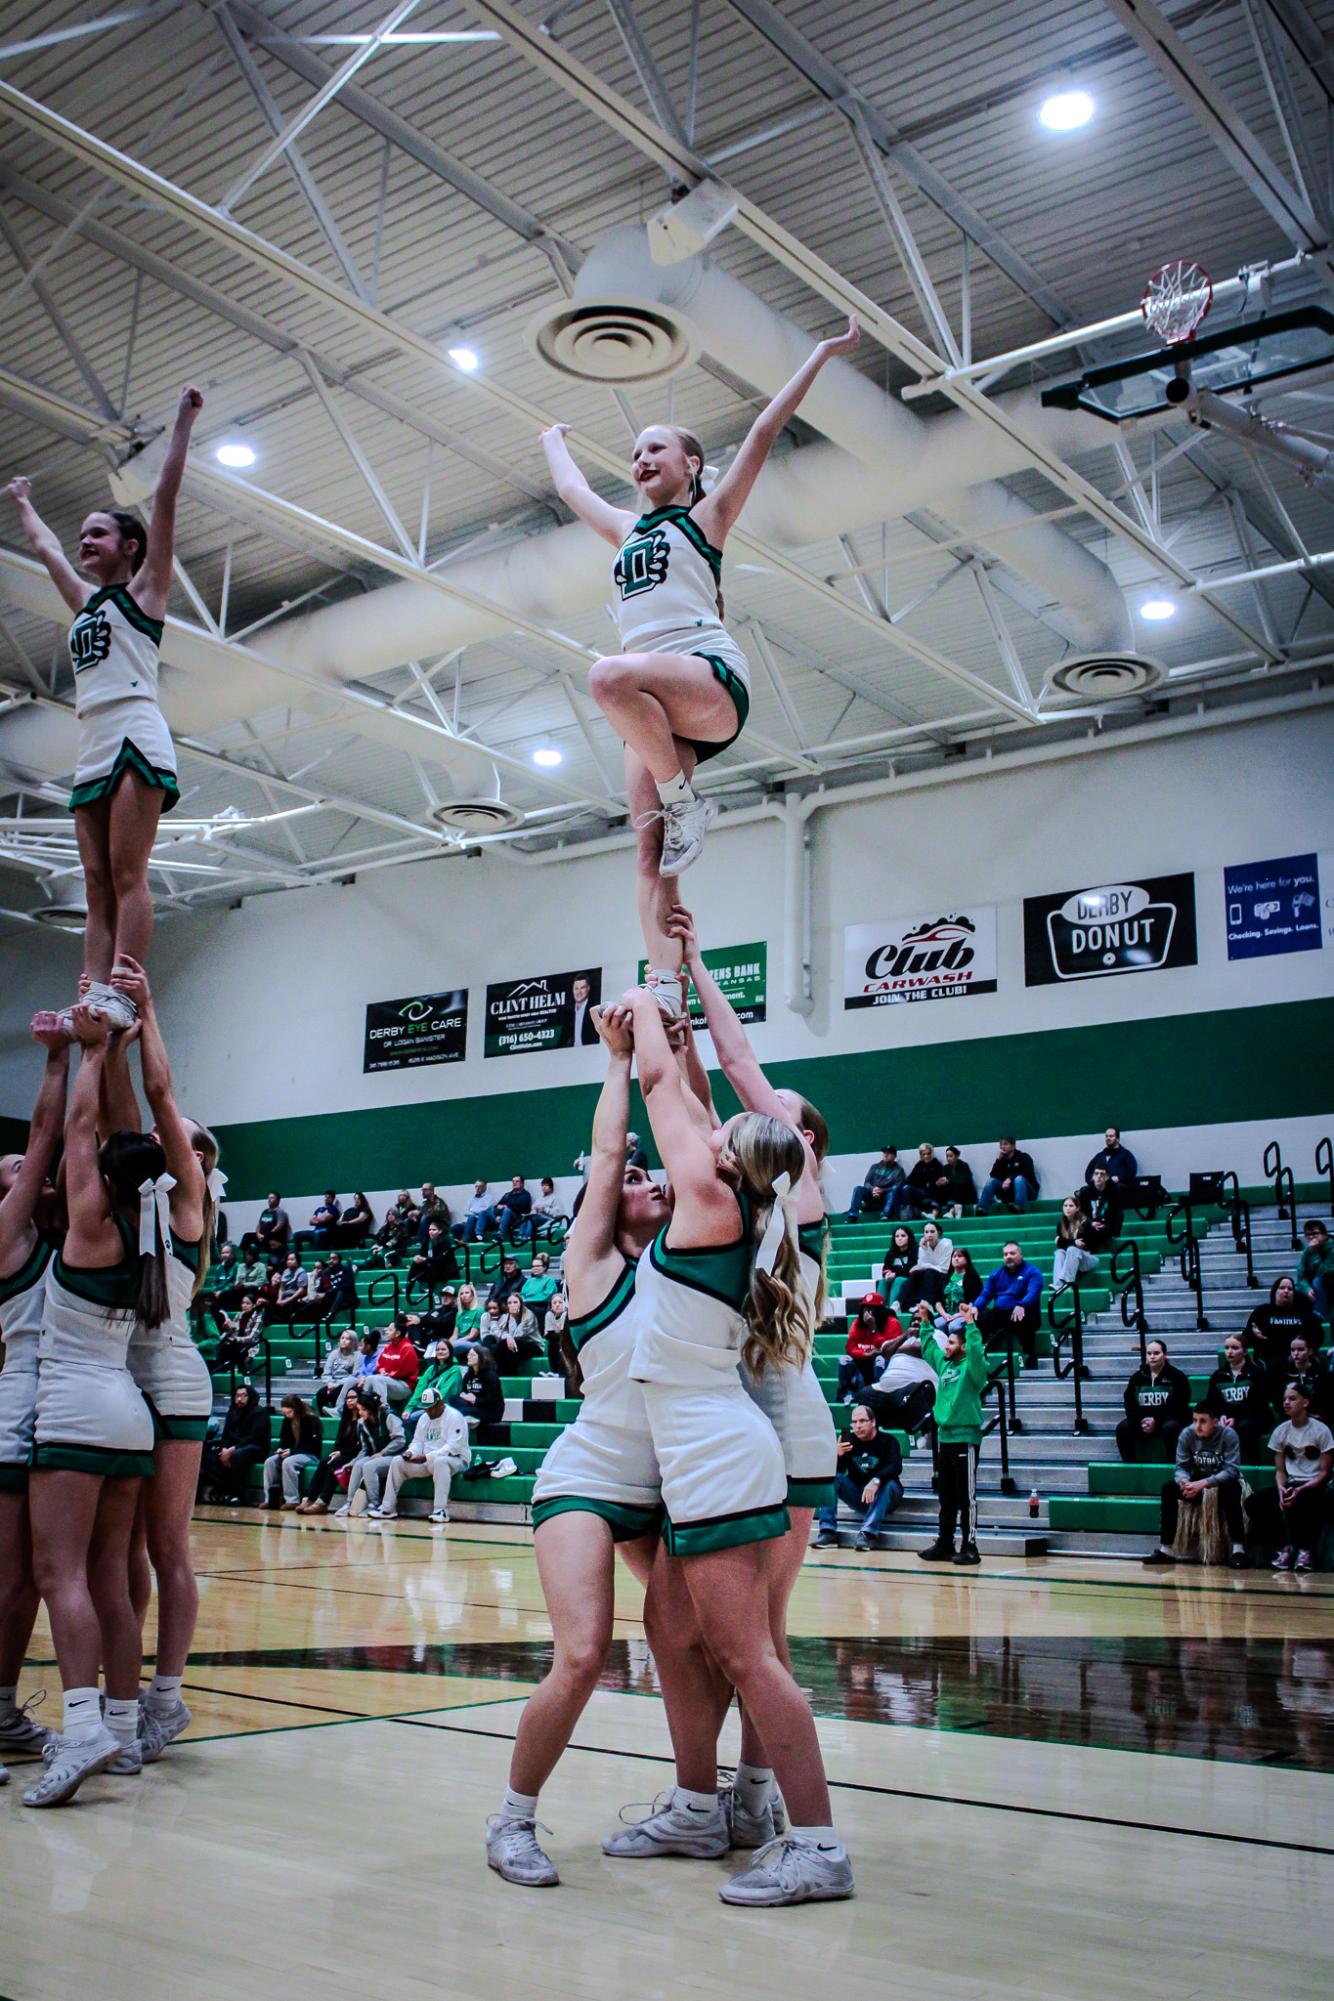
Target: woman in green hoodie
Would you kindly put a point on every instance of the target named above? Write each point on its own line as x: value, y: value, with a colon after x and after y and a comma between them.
x: 441, y: 1372
x: 961, y: 1378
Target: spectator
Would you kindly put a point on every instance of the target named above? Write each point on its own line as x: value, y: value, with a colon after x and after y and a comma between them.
x: 323, y: 1223
x: 539, y: 1287
x: 318, y: 1304
x: 548, y: 1209
x: 963, y: 1189
x: 1271, y: 1329
x: 1072, y: 1255
x: 398, y: 1229
x: 1013, y: 1180
x: 869, y: 1478
x: 1102, y: 1207
x: 558, y: 1320
x: 1157, y: 1404
x: 507, y: 1280
x: 440, y: 1372
x: 358, y: 1220
x: 439, y: 1449
x: 300, y: 1443
x: 481, y: 1398
x: 1239, y: 1391
x: 340, y: 1366
x: 1303, y: 1448
x: 1305, y: 1367
x: 244, y: 1439
x: 241, y: 1333
x: 635, y: 1155
x: 479, y: 1218
x: 899, y: 1261
x: 432, y: 1208
x: 963, y: 1283
x: 1007, y: 1305
x: 867, y: 1333
x: 961, y: 1378
x: 224, y: 1277
x: 516, y: 1337
x: 1208, y: 1455
x: 443, y: 1316
x: 1315, y: 1268
x: 1121, y: 1164
x: 515, y: 1212
x: 927, y: 1188
x: 273, y: 1230
x: 400, y: 1364
x: 252, y: 1274
x: 904, y: 1391
x: 927, y: 1275
x: 369, y: 1343
x: 380, y: 1438
x: 290, y: 1290
x: 469, y: 1314
x: 879, y: 1188
x: 340, y: 1283
x: 435, y: 1262
x: 332, y: 1470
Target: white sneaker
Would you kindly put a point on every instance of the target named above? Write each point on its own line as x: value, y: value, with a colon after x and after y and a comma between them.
x: 439, y: 1515
x: 69, y: 1764
x: 342, y: 1510
x: 684, y: 825
x: 129, y: 1761
x: 115, y: 1007
x: 744, y: 1828
x: 382, y: 1514
x: 514, y: 1852
x: 665, y: 1831
x: 666, y: 991
x: 158, y: 1727
x: 790, y: 1871
x: 20, y: 1733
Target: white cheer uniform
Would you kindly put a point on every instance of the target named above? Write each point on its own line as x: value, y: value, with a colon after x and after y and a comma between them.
x: 604, y: 1463
x: 794, y: 1401
x: 666, y: 577
x: 22, y: 1304
x: 443, y: 1443
x: 723, y: 1477
x: 90, y: 1417
x: 164, y: 1361
x: 113, y: 648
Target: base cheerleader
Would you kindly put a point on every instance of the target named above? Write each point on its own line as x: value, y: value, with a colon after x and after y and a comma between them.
x: 125, y: 777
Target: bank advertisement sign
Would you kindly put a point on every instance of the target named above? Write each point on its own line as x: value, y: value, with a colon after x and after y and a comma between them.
x: 547, y: 1011
x: 420, y: 1028
x: 742, y: 973
x: 1110, y: 928
x: 920, y: 958
x: 1273, y: 907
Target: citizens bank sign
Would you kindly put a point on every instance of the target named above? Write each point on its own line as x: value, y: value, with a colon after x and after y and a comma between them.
x: 1121, y: 927
x: 920, y: 959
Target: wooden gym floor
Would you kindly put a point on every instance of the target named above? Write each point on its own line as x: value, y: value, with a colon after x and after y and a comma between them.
x: 1057, y: 1779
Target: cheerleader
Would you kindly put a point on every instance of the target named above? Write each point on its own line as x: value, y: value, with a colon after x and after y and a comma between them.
x: 679, y: 691
x: 93, y: 1432
x: 598, y: 1487
x: 27, y: 1238
x: 125, y: 777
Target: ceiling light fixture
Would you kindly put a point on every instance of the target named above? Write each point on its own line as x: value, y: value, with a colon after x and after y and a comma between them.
x: 1158, y: 609
x: 548, y: 756
x: 234, y: 454
x: 466, y: 358
x: 1066, y: 110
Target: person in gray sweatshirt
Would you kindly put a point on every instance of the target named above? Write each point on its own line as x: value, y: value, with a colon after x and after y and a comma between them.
x: 1208, y: 1455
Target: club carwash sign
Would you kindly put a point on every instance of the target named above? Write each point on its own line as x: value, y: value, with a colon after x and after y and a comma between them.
x: 920, y: 959
x: 1121, y: 927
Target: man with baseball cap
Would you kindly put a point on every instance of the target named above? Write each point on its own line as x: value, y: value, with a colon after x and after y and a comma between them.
x: 439, y: 1447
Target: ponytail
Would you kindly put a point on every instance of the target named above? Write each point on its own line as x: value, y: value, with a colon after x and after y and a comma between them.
x: 127, y: 1161
x: 780, y: 1330
x: 205, y: 1144
x: 131, y: 529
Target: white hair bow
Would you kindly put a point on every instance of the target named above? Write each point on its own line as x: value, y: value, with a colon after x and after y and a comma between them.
x: 708, y: 478
x: 216, y: 1185
x: 155, y: 1210
x: 782, y: 1223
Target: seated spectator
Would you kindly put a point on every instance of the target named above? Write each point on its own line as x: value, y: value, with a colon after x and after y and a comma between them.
x: 252, y: 1274
x: 340, y: 1283
x: 1157, y: 1404
x: 963, y: 1283
x: 399, y: 1364
x: 878, y: 1191
x: 1315, y: 1269
x: 539, y: 1287
x: 558, y: 1320
x: 1007, y: 1306
x: 432, y: 1208
x: 1208, y: 1456
x: 1271, y: 1329
x: 514, y: 1210
x: 507, y: 1280
x: 369, y: 1342
x: 927, y: 1275
x: 518, y: 1336
x: 481, y: 1399
x: 469, y: 1317
x: 380, y: 1438
x: 224, y: 1277
x: 439, y: 1371
x: 340, y: 1366
x: 398, y: 1229
x: 869, y: 1478
x: 318, y: 1304
x: 1013, y: 1181
x: 323, y: 1223
x: 1307, y: 1367
x: 439, y: 1449
x: 963, y: 1189
x: 300, y: 1443
x: 926, y: 1192
x: 332, y: 1471
x: 442, y: 1318
x: 240, y: 1334
x: 436, y: 1261
x: 1072, y: 1257
x: 1103, y: 1212
x: 1122, y: 1167
x: 358, y: 1221
x: 868, y: 1332
x: 548, y: 1209
x: 899, y: 1261
x: 1294, y: 1514
x: 273, y: 1230
x: 225, y: 1472
x: 290, y: 1290
x: 480, y: 1216
x: 1239, y: 1391
x: 904, y: 1390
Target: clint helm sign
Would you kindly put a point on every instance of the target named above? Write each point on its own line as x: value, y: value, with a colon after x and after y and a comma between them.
x: 1120, y: 927
x: 919, y: 959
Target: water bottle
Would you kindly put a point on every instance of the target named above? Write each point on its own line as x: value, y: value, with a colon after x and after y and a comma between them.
x: 1033, y: 1505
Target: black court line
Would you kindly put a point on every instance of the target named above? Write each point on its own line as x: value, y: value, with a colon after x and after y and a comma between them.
x: 472, y: 1604
x: 908, y: 1793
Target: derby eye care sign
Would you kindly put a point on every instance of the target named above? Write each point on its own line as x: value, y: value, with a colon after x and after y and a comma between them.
x: 420, y: 1028
x: 920, y: 959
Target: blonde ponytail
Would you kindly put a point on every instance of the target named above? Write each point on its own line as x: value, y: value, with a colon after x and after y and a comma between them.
x: 777, y: 1314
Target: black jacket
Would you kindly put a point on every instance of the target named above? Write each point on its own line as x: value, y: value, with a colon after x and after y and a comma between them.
x: 490, y: 1405
x: 1270, y: 1329
x: 1245, y: 1396
x: 1169, y: 1397
x: 1119, y: 1161
x: 924, y: 1174
x: 308, y: 1438
x: 1005, y: 1167
x: 1105, y: 1208
x: 960, y: 1177
x: 879, y: 1458
x: 247, y: 1429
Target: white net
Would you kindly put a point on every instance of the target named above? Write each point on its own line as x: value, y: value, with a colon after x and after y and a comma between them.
x: 1176, y: 299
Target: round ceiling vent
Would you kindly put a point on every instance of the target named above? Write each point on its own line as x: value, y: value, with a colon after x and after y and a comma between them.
x: 613, y: 340
x: 477, y: 816
x: 1105, y: 677
x: 62, y: 916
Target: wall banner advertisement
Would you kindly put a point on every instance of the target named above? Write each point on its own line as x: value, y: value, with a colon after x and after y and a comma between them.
x: 742, y: 973
x: 1273, y: 907
x: 421, y: 1028
x: 548, y: 1011
x: 920, y: 959
x: 1123, y: 927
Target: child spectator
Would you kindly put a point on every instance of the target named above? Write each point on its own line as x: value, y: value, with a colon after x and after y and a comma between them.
x: 1303, y: 1449
x: 1208, y: 1456
x: 899, y: 1261
x: 1072, y: 1256
x: 1306, y: 1368
x: 1157, y: 1403
x: 869, y: 1478
x: 300, y: 1442
x: 1239, y: 1391
x: 961, y: 1378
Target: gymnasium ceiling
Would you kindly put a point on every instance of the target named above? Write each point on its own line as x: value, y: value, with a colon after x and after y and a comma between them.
x: 447, y: 192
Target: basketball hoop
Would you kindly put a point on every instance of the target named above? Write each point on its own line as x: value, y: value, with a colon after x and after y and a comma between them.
x: 1176, y: 299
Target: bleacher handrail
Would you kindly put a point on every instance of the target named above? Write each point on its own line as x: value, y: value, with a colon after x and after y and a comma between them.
x: 1324, y: 1164
x: 1239, y: 1216
x: 1131, y: 1283
x: 372, y: 1299
x: 1188, y: 1247
x: 1272, y: 1162
x: 999, y: 1424
x: 1285, y: 1190
x: 1071, y: 1325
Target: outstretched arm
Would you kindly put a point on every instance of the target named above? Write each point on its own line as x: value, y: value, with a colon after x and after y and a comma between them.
x: 120, y: 1107
x: 48, y: 1120
x: 718, y: 510
x: 152, y: 580
x: 187, y: 1197
x: 594, y: 1236
x: 90, y: 1236
x: 701, y: 1197
x: 613, y: 524
x: 41, y: 540
x: 730, y: 1041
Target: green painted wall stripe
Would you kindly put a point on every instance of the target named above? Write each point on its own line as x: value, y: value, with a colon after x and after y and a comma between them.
x: 1203, y: 1069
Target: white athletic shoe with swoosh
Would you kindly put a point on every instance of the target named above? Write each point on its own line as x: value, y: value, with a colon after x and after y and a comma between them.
x: 792, y: 1871
x: 514, y: 1852
x: 68, y: 1763
x: 667, y: 1830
